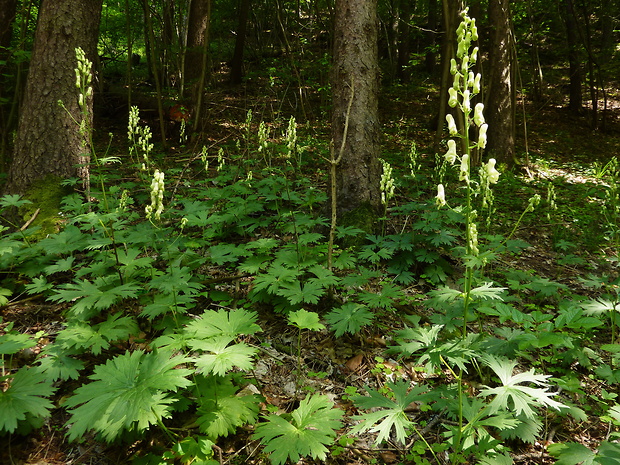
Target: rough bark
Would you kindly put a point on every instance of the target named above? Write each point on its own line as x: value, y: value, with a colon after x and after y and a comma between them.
x: 48, y: 141
x: 431, y: 36
x: 196, y: 58
x: 236, y: 64
x: 575, y: 99
x: 355, y: 71
x: 8, y: 9
x: 197, y: 39
x: 450, y: 10
x: 500, y: 108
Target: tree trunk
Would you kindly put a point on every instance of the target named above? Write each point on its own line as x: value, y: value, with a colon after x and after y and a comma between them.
x: 236, y: 64
x: 196, y: 58
x: 197, y: 39
x: 500, y: 108
x: 355, y: 89
x: 574, y: 91
x: 431, y: 36
x: 7, y: 15
x: 404, y: 43
x: 49, y: 143
x: 451, y: 19
x: 8, y: 8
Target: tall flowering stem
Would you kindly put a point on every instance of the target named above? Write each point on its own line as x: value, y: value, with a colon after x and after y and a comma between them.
x: 465, y: 86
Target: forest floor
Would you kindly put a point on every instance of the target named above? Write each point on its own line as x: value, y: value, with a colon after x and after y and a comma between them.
x: 559, y: 147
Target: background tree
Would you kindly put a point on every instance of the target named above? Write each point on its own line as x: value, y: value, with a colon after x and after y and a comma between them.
x: 236, y: 64
x: 500, y: 108
x: 196, y: 56
x: 8, y: 9
x: 48, y: 143
x: 355, y: 87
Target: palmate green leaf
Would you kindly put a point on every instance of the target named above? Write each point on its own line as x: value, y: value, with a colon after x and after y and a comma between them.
x: 383, y: 299
x: 526, y: 430
x: 572, y: 453
x: 303, y: 319
x: 231, y: 323
x: 64, y: 264
x: 515, y: 394
x: 609, y: 453
x: 91, y: 297
x: 392, y: 414
x: 27, y: 394
x: 13, y: 200
x: 595, y: 307
x: 487, y: 292
x: 12, y: 342
x: 275, y: 277
x: 349, y: 318
x: 128, y: 392
x: 221, y: 410
x: 410, y: 340
x: 313, y: 426
x: 498, y: 459
x: 222, y: 357
x: 57, y: 364
x: 310, y: 292
x: 79, y: 335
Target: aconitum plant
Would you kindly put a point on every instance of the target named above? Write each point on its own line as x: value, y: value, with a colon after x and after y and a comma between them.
x: 465, y: 86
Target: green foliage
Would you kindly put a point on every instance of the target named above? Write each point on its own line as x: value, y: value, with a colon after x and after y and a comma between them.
x: 573, y: 453
x: 349, y: 318
x: 129, y: 392
x: 312, y: 427
x: 393, y: 411
x: 515, y: 393
x: 25, y: 399
x: 220, y: 409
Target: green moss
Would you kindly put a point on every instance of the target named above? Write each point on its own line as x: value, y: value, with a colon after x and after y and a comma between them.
x: 363, y: 217
x: 46, y: 196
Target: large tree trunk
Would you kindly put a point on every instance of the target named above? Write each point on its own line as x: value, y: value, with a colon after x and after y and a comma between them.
x: 575, y: 102
x: 451, y: 10
x: 355, y: 87
x: 49, y: 143
x: 500, y: 108
x: 236, y: 63
x: 431, y: 36
x: 196, y: 57
x: 197, y: 40
x: 8, y: 9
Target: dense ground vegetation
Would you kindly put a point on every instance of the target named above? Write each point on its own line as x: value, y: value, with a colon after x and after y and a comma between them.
x: 199, y: 306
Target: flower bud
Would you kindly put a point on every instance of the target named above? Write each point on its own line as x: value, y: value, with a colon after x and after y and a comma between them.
x: 451, y: 125
x: 478, y: 116
x: 482, y: 136
x: 440, y: 198
x: 492, y: 173
x: 453, y: 68
x: 474, y: 29
x: 465, y: 65
x: 453, y: 100
x: 456, y: 83
x: 476, y: 86
x: 470, y: 79
x: 466, y: 102
x: 474, y: 55
x: 451, y: 153
x: 464, y: 172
